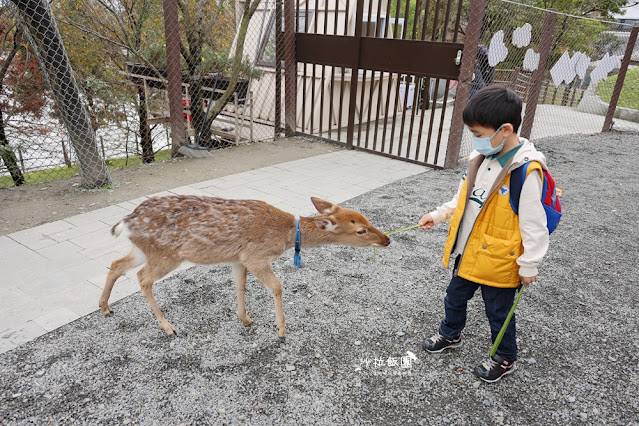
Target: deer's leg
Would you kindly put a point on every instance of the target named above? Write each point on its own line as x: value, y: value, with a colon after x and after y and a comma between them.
x: 264, y: 273
x: 119, y: 267
x: 239, y: 275
x: 147, y: 276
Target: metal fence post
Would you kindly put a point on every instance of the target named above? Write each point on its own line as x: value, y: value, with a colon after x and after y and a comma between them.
x: 174, y: 74
x: 473, y: 32
x: 620, y: 78
x: 290, y: 69
x: 352, y: 104
x: 279, y: 56
x: 545, y: 45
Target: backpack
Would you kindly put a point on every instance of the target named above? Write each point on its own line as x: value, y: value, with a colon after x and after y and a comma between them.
x: 549, y: 197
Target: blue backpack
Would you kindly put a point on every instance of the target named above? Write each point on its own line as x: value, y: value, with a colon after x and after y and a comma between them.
x: 549, y: 197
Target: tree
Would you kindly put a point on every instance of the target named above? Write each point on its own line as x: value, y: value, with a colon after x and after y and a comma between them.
x: 55, y: 64
x: 6, y: 153
x: 208, y: 30
x: 250, y: 6
x: 118, y: 31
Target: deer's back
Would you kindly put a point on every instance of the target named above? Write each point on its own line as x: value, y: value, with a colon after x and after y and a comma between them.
x: 209, y: 229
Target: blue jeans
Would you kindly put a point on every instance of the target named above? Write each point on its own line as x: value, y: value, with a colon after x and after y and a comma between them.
x: 497, y: 301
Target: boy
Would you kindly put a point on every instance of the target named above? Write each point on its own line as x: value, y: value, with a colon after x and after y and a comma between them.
x: 491, y: 247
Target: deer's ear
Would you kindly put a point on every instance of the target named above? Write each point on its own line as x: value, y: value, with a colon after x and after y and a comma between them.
x: 324, y: 207
x: 325, y: 224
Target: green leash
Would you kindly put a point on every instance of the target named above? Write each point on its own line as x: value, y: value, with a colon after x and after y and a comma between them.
x: 391, y: 233
x: 493, y: 350
x: 500, y: 336
x: 401, y: 230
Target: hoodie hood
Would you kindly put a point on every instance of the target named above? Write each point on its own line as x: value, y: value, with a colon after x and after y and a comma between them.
x: 527, y: 153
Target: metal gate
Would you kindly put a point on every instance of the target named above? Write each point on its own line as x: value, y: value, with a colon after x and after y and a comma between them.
x: 374, y: 75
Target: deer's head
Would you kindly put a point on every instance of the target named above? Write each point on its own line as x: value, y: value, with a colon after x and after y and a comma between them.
x: 347, y: 226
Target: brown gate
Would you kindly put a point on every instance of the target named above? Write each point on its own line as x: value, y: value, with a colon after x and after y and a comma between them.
x: 374, y: 75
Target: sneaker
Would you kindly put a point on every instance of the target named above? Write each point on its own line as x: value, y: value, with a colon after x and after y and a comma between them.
x: 437, y: 343
x: 494, y: 368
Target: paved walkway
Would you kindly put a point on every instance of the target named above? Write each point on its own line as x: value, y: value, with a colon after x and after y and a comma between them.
x: 53, y: 274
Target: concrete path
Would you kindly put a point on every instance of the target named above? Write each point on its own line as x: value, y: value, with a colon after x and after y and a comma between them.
x: 53, y: 274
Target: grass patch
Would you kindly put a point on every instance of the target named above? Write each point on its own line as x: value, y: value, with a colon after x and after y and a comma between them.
x: 63, y: 172
x: 629, y: 97
x: 136, y: 160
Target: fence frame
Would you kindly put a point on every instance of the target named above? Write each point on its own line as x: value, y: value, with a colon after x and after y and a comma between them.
x: 612, y: 107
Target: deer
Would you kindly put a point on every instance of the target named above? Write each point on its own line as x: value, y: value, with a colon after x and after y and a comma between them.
x: 248, y: 234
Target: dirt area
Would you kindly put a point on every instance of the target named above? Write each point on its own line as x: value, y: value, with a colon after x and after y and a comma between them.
x: 33, y: 205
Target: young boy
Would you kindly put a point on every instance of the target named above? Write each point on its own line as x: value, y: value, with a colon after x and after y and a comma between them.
x: 491, y: 247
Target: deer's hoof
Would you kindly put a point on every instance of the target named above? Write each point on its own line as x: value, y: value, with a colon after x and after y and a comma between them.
x: 281, y: 334
x: 247, y: 321
x: 106, y: 310
x: 281, y: 339
x: 169, y: 329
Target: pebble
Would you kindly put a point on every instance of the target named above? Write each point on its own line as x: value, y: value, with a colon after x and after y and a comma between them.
x: 532, y: 361
x: 595, y: 411
x: 39, y: 373
x: 400, y: 333
x: 476, y: 384
x: 583, y: 416
x: 290, y: 368
x: 221, y: 411
x: 357, y: 343
x: 571, y: 399
x: 16, y: 395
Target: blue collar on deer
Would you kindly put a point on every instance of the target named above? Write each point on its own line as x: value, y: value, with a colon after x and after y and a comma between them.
x: 297, y: 258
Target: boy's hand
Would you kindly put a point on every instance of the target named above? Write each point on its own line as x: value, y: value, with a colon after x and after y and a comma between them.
x: 528, y: 280
x: 426, y: 222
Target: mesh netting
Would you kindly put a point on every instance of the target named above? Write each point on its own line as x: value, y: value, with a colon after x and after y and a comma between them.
x: 583, y: 58
x: 89, y: 85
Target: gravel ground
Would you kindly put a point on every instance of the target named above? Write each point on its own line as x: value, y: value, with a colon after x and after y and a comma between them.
x: 347, y: 313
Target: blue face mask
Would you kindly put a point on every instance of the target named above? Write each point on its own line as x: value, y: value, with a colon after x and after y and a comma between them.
x: 483, y: 146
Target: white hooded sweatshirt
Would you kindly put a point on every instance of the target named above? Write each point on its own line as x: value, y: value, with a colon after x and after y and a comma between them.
x: 532, y: 216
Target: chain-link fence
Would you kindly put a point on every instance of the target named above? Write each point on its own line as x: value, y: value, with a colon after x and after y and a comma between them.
x: 91, y: 85
x: 88, y: 86
x: 580, y: 58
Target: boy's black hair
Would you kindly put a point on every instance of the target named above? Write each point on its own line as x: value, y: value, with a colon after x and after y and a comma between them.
x: 493, y: 106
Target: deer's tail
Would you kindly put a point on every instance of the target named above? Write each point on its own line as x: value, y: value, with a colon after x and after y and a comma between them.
x: 117, y: 228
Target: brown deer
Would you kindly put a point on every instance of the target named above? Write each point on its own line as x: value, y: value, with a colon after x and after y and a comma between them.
x: 248, y: 234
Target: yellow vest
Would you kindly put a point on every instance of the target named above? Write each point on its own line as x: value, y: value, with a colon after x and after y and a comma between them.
x: 494, y: 244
